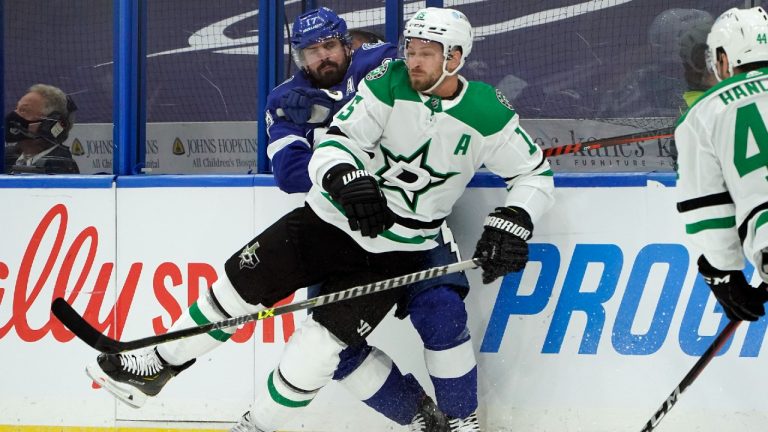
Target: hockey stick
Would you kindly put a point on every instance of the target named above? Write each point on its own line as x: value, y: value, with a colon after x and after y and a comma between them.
x: 708, y: 355
x: 88, y: 334
x: 607, y: 142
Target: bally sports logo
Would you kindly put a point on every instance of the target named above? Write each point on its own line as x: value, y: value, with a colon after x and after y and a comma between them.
x: 51, y: 268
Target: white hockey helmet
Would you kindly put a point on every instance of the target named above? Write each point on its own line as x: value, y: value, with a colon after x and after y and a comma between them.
x: 742, y: 34
x: 449, y: 27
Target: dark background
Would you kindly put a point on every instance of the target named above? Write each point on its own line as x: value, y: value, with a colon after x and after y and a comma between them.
x: 556, y: 64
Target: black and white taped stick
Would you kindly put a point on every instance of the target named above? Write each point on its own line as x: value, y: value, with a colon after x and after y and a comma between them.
x: 708, y: 355
x: 88, y: 334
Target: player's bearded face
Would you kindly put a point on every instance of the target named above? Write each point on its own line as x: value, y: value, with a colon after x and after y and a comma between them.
x: 425, y: 63
x: 326, y: 62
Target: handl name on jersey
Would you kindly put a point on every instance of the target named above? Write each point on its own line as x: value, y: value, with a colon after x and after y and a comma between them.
x: 745, y: 89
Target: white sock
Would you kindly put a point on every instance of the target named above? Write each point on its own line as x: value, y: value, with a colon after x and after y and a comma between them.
x: 210, y: 307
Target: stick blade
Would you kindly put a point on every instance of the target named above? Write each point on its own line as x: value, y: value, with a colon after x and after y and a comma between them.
x: 68, y: 316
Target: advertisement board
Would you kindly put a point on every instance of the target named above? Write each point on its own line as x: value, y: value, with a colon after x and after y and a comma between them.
x: 603, y: 323
x: 230, y: 147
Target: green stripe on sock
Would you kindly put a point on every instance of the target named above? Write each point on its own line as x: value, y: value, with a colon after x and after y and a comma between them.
x: 719, y: 223
x: 200, y: 319
x: 282, y: 400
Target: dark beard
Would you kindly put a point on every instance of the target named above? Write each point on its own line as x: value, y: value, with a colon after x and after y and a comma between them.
x: 329, y: 78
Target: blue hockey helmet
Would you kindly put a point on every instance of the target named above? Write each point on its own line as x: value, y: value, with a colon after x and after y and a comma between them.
x: 316, y: 26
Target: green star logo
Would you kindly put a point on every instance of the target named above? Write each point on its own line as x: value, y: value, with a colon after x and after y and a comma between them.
x: 411, y: 176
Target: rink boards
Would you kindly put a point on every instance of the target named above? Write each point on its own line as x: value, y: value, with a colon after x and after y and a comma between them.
x: 593, y: 335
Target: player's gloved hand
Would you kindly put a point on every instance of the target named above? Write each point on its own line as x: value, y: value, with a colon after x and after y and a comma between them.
x: 302, y: 105
x: 739, y: 299
x: 503, y: 246
x: 361, y: 198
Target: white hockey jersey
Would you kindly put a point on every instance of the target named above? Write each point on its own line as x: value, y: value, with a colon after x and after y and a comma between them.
x: 424, y: 150
x: 722, y: 143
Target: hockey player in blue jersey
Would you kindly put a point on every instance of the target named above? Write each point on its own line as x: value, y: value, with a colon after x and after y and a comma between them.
x: 296, y: 110
x: 327, y: 79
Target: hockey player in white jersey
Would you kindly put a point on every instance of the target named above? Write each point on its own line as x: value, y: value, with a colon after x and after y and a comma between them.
x: 723, y: 163
x: 394, y: 162
x: 321, y: 47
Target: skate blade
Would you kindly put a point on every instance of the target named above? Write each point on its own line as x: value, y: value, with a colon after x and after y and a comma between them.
x: 132, y: 397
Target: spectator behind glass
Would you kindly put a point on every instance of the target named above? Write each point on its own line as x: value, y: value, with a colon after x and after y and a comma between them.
x: 693, y: 48
x: 362, y: 36
x: 655, y: 89
x: 39, y: 126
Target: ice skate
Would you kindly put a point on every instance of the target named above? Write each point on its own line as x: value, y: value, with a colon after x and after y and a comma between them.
x: 245, y: 424
x: 132, y: 377
x: 467, y: 424
x: 429, y: 418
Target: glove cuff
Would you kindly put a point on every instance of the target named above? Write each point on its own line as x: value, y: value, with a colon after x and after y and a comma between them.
x: 713, y: 276
x: 706, y: 268
x: 512, y: 220
x: 341, y: 175
x: 516, y: 213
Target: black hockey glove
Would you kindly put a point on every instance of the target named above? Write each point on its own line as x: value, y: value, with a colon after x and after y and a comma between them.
x: 739, y: 299
x: 503, y: 246
x: 312, y: 106
x: 359, y: 195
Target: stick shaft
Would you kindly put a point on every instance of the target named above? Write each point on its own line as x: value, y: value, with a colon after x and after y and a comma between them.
x: 691, y: 376
x: 93, y: 337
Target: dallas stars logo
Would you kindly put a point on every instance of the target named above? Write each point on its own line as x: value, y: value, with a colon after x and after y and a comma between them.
x: 410, y: 175
x: 248, y: 256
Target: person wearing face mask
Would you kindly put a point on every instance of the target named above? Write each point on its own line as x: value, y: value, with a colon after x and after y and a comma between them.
x: 38, y: 127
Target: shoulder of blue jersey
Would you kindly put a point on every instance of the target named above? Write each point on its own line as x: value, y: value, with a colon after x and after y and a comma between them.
x: 373, y: 54
x: 380, y: 71
x: 292, y: 82
x: 369, y: 46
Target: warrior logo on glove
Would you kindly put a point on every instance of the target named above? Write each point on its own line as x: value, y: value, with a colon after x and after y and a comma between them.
x: 507, y: 225
x: 503, y: 247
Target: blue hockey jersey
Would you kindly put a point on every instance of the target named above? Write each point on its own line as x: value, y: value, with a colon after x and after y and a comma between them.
x: 290, y: 145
